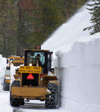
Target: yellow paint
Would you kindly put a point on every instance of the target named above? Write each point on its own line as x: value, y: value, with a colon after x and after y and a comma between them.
x: 29, y: 92
x: 7, y: 81
x: 55, y: 82
x: 16, y: 57
x: 30, y: 69
x: 7, y: 78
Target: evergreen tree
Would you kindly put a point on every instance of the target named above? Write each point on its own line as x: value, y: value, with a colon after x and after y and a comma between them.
x: 95, y: 12
x: 7, y: 28
x: 27, y: 23
x: 51, y: 17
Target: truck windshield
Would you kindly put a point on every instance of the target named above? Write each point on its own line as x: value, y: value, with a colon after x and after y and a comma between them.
x: 33, y: 56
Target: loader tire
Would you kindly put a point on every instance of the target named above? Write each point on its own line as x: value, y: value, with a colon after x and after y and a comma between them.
x: 52, y: 100
x: 15, y: 101
x: 15, y: 83
x: 5, y: 86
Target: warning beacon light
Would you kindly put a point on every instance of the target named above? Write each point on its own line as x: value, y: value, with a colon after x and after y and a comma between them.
x: 38, y: 47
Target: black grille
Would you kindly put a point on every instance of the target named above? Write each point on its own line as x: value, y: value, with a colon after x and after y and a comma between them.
x: 27, y: 82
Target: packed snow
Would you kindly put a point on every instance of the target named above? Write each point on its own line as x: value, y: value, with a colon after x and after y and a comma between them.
x: 2, y: 69
x: 77, y: 64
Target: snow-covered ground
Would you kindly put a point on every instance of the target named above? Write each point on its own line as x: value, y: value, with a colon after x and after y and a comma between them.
x: 4, y: 96
x: 78, y: 64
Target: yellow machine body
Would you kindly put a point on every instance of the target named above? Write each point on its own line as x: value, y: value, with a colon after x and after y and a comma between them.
x: 38, y: 93
x: 16, y: 60
x: 34, y: 78
x: 30, y: 69
x: 31, y: 92
x: 7, y: 78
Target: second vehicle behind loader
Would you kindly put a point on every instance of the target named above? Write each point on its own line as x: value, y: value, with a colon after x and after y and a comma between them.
x: 16, y: 61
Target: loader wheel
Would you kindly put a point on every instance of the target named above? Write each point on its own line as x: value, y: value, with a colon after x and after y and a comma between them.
x: 15, y: 101
x: 52, y: 100
x: 15, y: 83
x: 5, y: 86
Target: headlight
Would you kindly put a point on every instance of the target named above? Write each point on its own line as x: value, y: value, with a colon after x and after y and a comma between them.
x: 30, y: 64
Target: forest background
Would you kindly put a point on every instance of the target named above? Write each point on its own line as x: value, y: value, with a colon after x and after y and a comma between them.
x: 27, y: 23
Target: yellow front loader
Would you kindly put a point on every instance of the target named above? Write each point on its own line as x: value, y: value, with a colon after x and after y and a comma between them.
x: 35, y: 83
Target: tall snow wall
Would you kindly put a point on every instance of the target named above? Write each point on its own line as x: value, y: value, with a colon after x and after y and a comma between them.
x: 2, y: 69
x: 80, y: 72
x: 2, y: 66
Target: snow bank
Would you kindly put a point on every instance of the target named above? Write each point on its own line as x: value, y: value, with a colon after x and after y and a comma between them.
x: 4, y: 102
x: 12, y: 72
x: 80, y: 72
x: 2, y: 69
x: 77, y: 63
x: 2, y: 65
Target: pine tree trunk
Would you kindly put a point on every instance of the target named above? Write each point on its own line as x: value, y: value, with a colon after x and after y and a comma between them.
x: 19, y: 29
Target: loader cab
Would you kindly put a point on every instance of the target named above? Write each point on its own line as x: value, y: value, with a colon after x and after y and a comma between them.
x: 38, y: 58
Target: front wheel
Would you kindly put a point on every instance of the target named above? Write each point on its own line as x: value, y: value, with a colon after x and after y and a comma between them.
x: 16, y: 101
x: 52, y: 100
x: 5, y: 86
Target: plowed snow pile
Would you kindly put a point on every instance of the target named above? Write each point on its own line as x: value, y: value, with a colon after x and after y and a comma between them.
x: 2, y: 65
x: 78, y: 62
x: 80, y: 69
x: 4, y: 96
x: 2, y: 69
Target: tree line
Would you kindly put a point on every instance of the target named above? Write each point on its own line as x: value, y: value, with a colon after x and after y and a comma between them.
x: 27, y: 23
